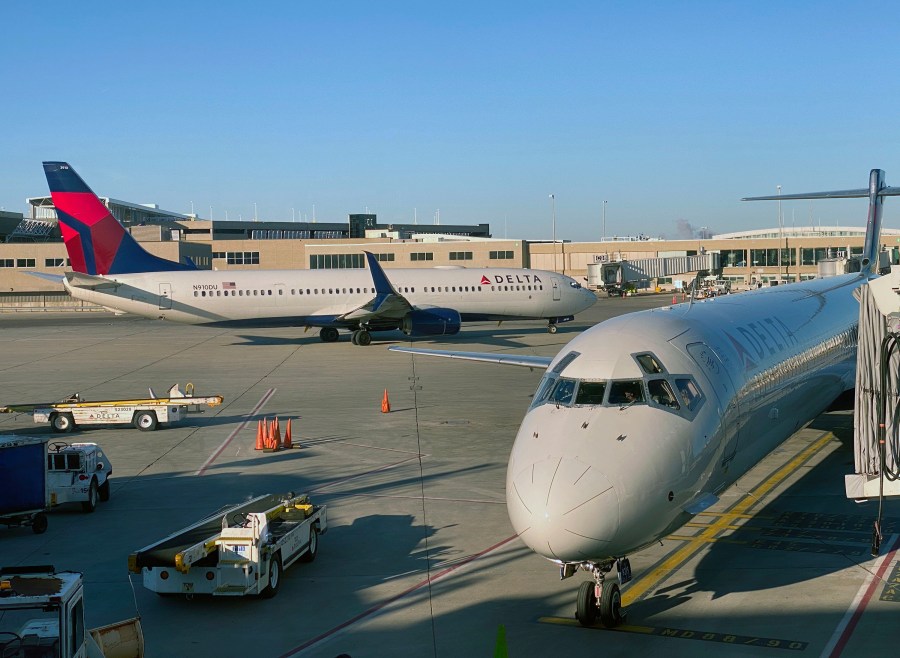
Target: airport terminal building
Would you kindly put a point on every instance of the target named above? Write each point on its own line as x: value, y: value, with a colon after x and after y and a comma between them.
x: 33, y: 244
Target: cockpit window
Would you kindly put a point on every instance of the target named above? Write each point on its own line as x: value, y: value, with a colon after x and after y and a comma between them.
x: 590, y: 393
x: 689, y: 393
x: 574, y: 284
x: 626, y: 392
x: 661, y: 393
x: 649, y: 364
x: 565, y: 361
x: 563, y: 392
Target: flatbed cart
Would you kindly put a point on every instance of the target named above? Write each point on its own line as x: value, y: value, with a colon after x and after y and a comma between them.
x: 240, y: 550
x: 146, y: 414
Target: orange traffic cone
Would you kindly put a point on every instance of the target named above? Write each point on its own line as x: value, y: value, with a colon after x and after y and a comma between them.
x: 259, y: 436
x: 674, y: 300
x: 287, y: 436
x: 385, y: 403
x: 276, y: 434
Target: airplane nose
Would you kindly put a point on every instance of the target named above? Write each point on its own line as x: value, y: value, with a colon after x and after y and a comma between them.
x: 563, y: 508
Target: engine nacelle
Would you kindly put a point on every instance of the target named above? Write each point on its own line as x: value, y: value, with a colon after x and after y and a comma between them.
x: 431, y: 322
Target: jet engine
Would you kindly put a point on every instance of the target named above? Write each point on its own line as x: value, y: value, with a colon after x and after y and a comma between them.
x: 431, y: 322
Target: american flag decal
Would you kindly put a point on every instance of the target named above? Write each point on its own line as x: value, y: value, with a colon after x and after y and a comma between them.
x: 228, y: 285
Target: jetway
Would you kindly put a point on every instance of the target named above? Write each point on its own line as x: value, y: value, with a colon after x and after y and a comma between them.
x: 877, y: 408
x: 601, y: 274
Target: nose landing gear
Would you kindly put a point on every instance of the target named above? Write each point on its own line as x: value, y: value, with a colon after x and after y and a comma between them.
x: 600, y: 598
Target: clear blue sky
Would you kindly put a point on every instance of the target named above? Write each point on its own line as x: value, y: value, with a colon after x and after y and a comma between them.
x: 669, y: 111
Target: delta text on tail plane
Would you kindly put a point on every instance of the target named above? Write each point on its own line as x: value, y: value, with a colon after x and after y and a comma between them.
x: 112, y: 270
x: 641, y: 421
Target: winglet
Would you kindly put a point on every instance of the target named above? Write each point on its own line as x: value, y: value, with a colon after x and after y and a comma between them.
x: 379, y: 278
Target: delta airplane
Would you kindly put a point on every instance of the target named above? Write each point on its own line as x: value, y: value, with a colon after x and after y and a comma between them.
x: 110, y: 269
x: 640, y: 422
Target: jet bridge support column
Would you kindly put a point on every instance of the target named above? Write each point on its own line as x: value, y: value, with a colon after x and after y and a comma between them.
x: 876, y: 448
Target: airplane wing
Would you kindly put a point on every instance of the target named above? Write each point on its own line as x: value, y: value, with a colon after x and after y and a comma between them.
x: 541, y: 362
x: 387, y: 304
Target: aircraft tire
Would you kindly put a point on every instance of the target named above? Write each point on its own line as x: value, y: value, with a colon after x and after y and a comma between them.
x: 329, y: 334
x: 354, y: 336
x: 611, y: 614
x: 363, y: 338
x: 586, y: 604
x: 552, y: 328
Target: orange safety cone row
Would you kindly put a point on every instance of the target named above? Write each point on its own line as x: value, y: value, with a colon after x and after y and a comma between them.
x: 287, y: 436
x: 385, y: 403
x: 259, y: 436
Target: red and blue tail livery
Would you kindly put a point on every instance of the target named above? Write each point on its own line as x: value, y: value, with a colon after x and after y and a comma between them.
x: 97, y: 243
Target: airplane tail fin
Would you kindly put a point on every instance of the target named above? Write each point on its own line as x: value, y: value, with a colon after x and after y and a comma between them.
x: 95, y: 240
x: 876, y: 192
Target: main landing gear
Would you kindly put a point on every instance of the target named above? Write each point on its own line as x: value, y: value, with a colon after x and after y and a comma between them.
x: 361, y: 337
x: 329, y: 334
x: 602, y: 597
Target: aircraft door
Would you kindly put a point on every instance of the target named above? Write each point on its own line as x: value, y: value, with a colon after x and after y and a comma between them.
x: 720, y: 384
x: 165, y: 295
x: 556, y: 292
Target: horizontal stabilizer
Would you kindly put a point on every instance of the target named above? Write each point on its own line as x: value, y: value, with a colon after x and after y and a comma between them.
x: 541, y: 362
x: 55, y: 278
x: 79, y: 280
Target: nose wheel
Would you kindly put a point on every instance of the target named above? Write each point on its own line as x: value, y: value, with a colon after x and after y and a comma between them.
x: 552, y: 328
x: 599, y: 599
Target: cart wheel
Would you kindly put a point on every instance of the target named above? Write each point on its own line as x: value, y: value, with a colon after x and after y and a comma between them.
x: 274, y: 580
x: 104, y: 491
x: 62, y: 422
x: 310, y: 555
x: 39, y: 523
x: 90, y: 504
x: 145, y: 421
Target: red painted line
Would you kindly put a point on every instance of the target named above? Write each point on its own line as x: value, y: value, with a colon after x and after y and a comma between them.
x: 378, y: 606
x: 259, y: 405
x: 877, y: 579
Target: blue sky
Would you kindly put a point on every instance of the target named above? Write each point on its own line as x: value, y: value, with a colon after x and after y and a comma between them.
x: 670, y: 112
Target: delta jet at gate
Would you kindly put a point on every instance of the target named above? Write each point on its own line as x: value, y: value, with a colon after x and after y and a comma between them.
x: 640, y: 422
x: 110, y: 269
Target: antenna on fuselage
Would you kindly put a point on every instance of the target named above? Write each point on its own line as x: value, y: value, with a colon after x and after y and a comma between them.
x: 876, y: 192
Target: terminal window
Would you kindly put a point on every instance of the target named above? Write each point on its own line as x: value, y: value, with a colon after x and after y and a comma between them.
x: 500, y: 255
x: 336, y: 261
x: 460, y: 255
x: 242, y: 257
x: 25, y: 262
x: 421, y: 255
x: 54, y: 262
x: 384, y: 257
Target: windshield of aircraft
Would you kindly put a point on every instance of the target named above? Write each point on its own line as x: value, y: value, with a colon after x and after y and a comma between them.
x: 574, y: 284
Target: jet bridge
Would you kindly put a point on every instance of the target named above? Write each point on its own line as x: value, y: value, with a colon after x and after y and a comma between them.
x: 877, y: 409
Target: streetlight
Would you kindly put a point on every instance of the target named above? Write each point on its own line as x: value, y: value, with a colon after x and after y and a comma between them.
x: 553, y: 206
x: 604, y: 221
x: 780, y: 231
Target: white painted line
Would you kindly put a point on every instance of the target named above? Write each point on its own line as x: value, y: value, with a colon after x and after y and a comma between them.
x: 213, y: 457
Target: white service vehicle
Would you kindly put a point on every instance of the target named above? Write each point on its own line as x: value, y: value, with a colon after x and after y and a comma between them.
x: 77, y: 473
x: 243, y: 549
x: 42, y: 616
x: 146, y: 414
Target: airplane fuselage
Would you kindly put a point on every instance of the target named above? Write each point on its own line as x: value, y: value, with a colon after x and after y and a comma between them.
x: 720, y: 384
x: 322, y: 297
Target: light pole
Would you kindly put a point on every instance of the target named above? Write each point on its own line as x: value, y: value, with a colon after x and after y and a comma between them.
x: 604, y: 221
x: 553, y: 206
x: 780, y: 232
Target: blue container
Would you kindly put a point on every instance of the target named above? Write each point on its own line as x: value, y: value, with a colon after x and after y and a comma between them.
x: 23, y: 476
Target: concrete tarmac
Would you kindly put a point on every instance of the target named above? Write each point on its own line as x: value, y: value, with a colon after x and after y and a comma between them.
x: 420, y: 558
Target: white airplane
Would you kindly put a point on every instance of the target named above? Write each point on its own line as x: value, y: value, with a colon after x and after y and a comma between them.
x: 641, y: 421
x: 112, y: 270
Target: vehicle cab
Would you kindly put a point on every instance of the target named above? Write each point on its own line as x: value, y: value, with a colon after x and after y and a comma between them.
x: 78, y: 472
